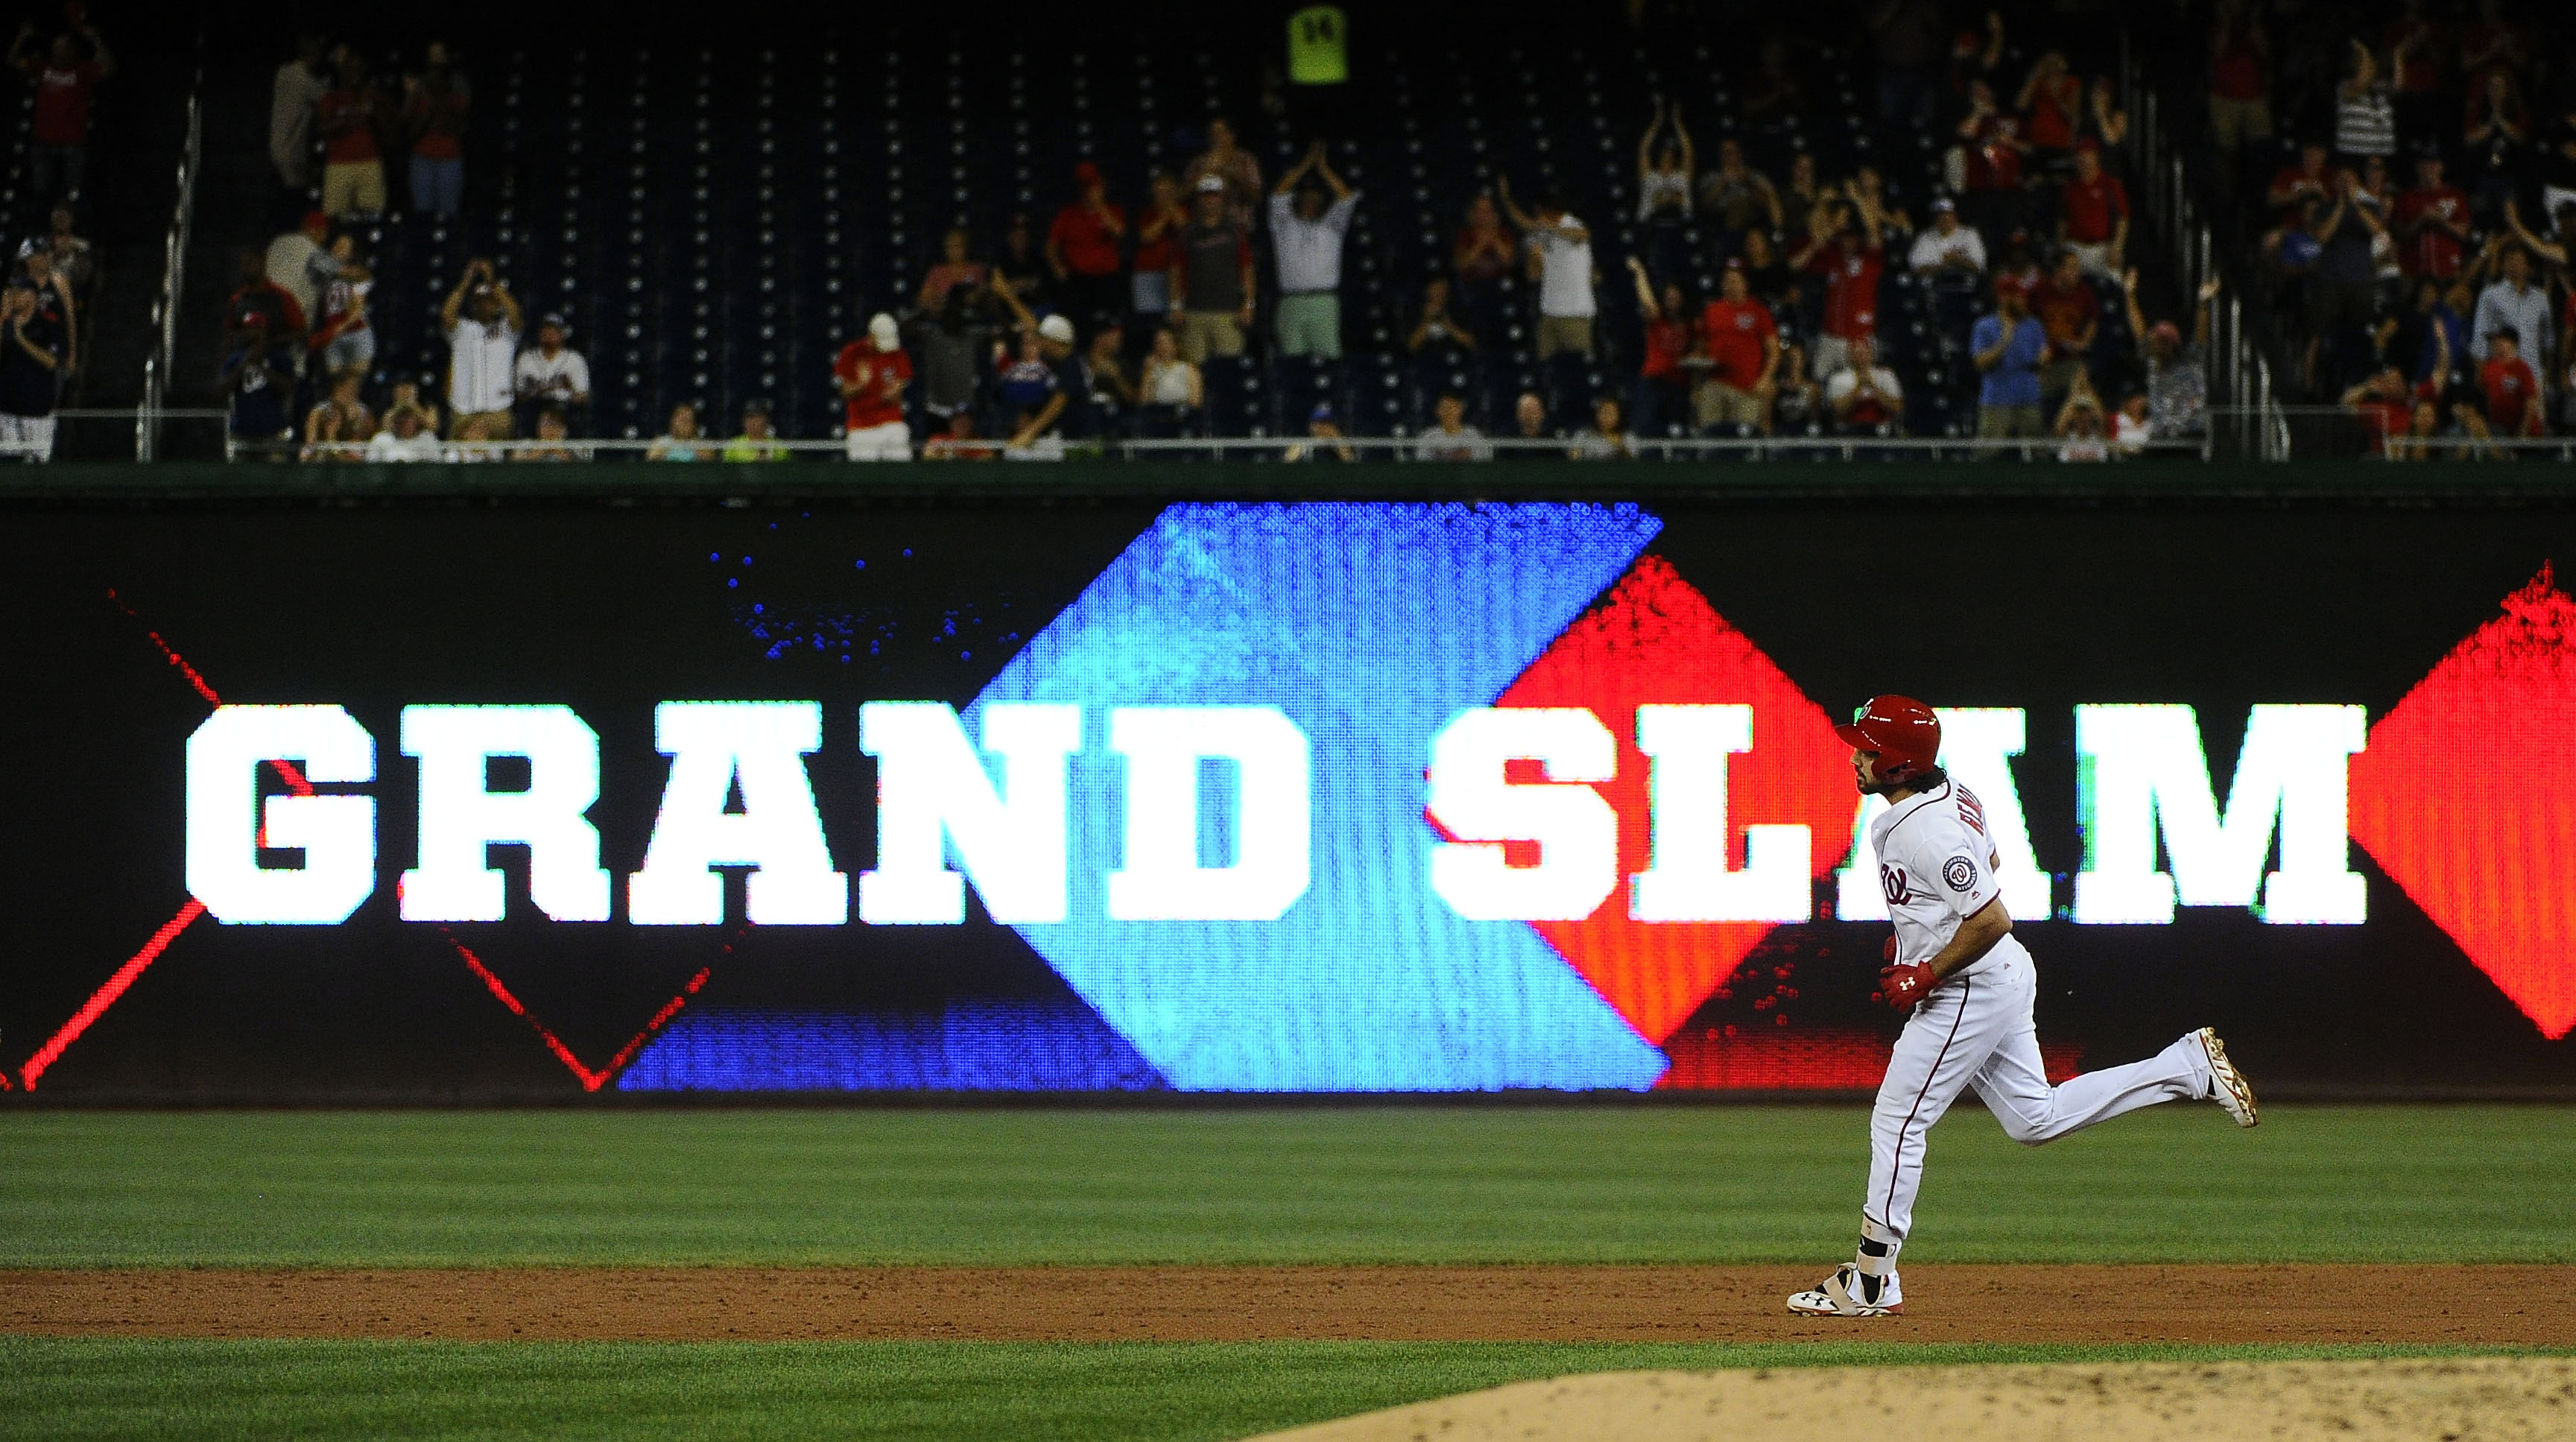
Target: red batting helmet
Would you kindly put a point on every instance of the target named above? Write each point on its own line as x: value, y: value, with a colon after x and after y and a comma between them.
x: 1903, y: 731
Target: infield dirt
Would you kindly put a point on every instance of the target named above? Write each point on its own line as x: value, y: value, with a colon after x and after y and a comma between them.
x: 2349, y: 1304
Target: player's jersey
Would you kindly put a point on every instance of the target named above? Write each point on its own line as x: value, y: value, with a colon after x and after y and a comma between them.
x: 1937, y: 866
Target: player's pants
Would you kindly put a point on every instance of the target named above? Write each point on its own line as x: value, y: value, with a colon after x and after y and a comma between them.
x: 1976, y: 1031
x: 889, y: 442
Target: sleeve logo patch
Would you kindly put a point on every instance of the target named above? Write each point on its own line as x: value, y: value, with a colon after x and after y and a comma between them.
x: 1960, y: 873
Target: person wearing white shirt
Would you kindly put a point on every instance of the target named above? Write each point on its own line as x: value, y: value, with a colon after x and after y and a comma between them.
x: 1561, y: 259
x: 551, y: 373
x: 404, y: 438
x: 1306, y: 236
x: 1865, y: 397
x: 1948, y: 251
x: 1453, y: 439
x: 482, y: 320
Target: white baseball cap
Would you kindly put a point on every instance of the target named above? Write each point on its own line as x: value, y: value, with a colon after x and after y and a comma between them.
x: 1056, y: 328
x: 882, y: 330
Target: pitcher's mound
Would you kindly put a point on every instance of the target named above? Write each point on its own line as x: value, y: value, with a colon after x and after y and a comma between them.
x: 2469, y: 1399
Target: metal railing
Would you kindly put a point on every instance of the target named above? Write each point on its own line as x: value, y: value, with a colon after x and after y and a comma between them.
x: 2240, y: 375
x: 2335, y: 433
x: 1425, y: 449
x: 174, y: 273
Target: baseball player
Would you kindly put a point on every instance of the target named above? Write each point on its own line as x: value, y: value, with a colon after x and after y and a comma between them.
x: 1954, y: 962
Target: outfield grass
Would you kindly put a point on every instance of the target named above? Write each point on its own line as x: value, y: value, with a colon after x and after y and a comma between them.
x: 1026, y: 1392
x: 1391, y: 1184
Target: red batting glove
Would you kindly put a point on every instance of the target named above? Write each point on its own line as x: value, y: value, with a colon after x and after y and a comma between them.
x: 1903, y: 986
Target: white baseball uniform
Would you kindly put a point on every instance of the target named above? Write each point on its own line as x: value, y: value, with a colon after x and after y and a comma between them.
x: 1974, y: 1029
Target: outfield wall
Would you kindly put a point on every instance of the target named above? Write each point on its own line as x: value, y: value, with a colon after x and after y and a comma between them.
x: 460, y: 785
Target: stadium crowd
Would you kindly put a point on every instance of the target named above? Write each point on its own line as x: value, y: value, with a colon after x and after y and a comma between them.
x: 53, y: 274
x: 2414, y: 168
x: 1758, y: 290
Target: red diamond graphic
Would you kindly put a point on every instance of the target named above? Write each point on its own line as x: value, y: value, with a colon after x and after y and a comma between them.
x: 1654, y: 640
x: 2444, y: 800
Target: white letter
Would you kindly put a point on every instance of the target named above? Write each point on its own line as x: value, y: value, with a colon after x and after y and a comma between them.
x: 929, y: 782
x: 337, y: 834
x: 2141, y: 765
x: 761, y: 745
x: 1687, y: 878
x: 459, y: 817
x: 1977, y: 747
x: 1162, y: 879
x: 1577, y: 832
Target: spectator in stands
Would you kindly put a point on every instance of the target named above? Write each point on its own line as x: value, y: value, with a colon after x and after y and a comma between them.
x: 2079, y: 429
x: 1742, y: 343
x: 343, y: 340
x: 482, y: 322
x: 1797, y: 399
x: 2050, y: 101
x: 1482, y: 256
x: 2007, y: 346
x: 2070, y: 313
x: 353, y: 169
x: 2423, y: 427
x: 2557, y: 167
x: 1212, y: 276
x: 551, y: 431
x: 871, y: 373
x: 1739, y: 197
x: 2385, y: 405
x: 1451, y: 438
x: 2177, y: 370
x: 1436, y: 327
x: 75, y: 259
x: 1020, y: 271
x: 409, y: 434
x: 54, y: 303
x: 551, y: 375
x: 1051, y: 399
x: 2365, y: 118
x: 260, y: 301
x: 1865, y: 398
x: 2105, y: 123
x: 1766, y: 275
x: 1561, y: 264
x: 31, y: 370
x: 1991, y: 175
x: 2514, y: 403
x: 1664, y: 188
x: 2431, y: 222
x: 956, y: 343
x: 2093, y: 216
x: 1157, y: 231
x: 257, y: 380
x: 1663, y: 391
x: 339, y: 428
x: 2293, y: 186
x: 2018, y: 267
x: 1082, y: 251
x: 1950, y: 259
x: 300, y: 261
x: 1802, y: 196
x: 1846, y: 251
x: 953, y: 269
x: 59, y: 131
x: 1867, y: 187
x: 2493, y: 136
x: 2513, y: 304
x: 1238, y: 174
x: 1324, y: 439
x: 1171, y: 393
x: 1606, y: 439
x: 682, y: 442
x: 1774, y: 93
x: 1529, y: 417
x: 436, y: 106
x: 2240, y: 83
x: 757, y: 441
x: 406, y: 396
x: 2131, y: 426
x: 1306, y: 231
x: 1104, y: 376
x: 2492, y: 44
x: 300, y: 83
x: 959, y: 442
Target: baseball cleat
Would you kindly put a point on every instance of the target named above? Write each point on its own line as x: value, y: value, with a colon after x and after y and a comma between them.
x: 1846, y: 1294
x: 2227, y: 1085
